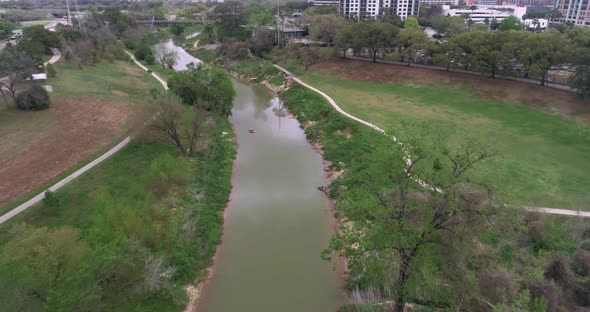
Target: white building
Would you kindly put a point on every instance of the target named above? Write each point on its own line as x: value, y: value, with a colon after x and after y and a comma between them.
x: 542, y: 23
x: 490, y: 12
x: 376, y: 8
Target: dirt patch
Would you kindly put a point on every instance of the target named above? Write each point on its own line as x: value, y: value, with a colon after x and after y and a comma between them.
x: 553, y: 100
x: 81, y: 128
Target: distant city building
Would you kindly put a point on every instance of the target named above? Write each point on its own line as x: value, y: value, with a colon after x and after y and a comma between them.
x: 529, y: 2
x: 376, y: 8
x: 484, y: 2
x: 490, y: 12
x: 324, y: 2
x: 439, y: 2
x: 575, y: 11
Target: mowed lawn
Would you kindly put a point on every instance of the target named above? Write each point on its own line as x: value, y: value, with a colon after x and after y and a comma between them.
x: 544, y: 159
x: 91, y: 109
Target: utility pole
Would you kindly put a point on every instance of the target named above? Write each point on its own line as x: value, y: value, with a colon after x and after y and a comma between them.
x: 277, y: 25
x: 69, y: 13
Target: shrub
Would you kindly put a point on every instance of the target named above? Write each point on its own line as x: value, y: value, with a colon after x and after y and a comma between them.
x: 143, y: 51
x: 35, y: 98
x: 50, y: 70
x: 150, y: 59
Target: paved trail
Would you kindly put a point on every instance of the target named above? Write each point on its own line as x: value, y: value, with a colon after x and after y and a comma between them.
x: 31, y: 202
x: 343, y: 112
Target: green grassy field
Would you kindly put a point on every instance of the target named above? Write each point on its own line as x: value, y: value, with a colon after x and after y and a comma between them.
x: 544, y: 159
x: 92, y: 108
x: 104, y: 80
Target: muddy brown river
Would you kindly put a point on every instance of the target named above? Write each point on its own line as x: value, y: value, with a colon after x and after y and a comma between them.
x: 277, y: 221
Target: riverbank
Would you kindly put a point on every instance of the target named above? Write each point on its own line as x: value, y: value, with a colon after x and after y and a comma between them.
x: 142, y: 224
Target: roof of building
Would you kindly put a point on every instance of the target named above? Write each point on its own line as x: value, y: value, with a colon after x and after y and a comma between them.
x: 41, y: 76
x: 537, y: 9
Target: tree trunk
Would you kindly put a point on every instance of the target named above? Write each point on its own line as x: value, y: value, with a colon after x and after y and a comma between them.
x: 374, y: 56
x: 543, y: 78
x: 402, y: 278
x: 5, y: 100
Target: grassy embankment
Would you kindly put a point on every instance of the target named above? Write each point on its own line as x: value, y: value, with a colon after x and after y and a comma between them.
x: 92, y: 109
x: 543, y: 158
x: 348, y: 144
x: 140, y: 226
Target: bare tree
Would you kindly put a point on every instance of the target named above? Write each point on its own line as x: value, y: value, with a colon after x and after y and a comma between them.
x: 179, y: 124
x: 166, y: 57
x: 15, y: 68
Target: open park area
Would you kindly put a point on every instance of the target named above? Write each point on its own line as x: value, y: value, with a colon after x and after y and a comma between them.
x: 541, y: 134
x: 91, y: 110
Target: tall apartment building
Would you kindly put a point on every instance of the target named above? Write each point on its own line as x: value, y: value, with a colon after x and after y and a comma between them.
x: 575, y: 11
x: 376, y: 8
x: 439, y: 2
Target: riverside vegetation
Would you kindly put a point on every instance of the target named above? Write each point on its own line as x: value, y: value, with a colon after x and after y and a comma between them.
x: 461, y: 249
x: 134, y: 231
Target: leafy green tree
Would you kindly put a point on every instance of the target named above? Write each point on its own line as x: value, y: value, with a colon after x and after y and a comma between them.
x: 546, y: 50
x: 451, y: 25
x: 409, y: 41
x: 510, y: 23
x: 177, y: 29
x: 447, y: 54
x: 6, y: 29
x: 36, y: 40
x: 377, y: 36
x: 259, y: 15
x: 411, y: 22
x: 230, y: 18
x: 37, y: 263
x: 208, y: 88
x: 581, y: 79
x: 393, y: 220
x: 324, y: 27
x: 208, y: 33
x: 484, y: 51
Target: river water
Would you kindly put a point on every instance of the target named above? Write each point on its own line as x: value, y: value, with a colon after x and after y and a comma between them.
x: 277, y: 221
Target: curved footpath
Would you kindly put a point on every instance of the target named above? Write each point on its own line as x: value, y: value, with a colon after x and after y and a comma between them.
x: 366, y: 123
x: 31, y: 202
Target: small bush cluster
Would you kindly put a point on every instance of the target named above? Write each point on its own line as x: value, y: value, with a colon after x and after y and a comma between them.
x: 34, y: 99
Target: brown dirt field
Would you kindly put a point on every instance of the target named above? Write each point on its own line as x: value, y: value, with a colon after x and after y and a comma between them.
x: 565, y: 103
x: 86, y: 125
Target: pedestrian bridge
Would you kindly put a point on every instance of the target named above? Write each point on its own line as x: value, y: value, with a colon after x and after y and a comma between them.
x: 168, y: 22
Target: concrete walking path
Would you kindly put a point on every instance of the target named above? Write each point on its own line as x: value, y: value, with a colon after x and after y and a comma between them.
x: 56, y: 56
x: 343, y: 112
x: 160, y: 79
x: 31, y: 202
x: 63, y: 182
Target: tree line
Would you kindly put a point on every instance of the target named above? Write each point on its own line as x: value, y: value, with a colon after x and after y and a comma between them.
x: 510, y: 53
